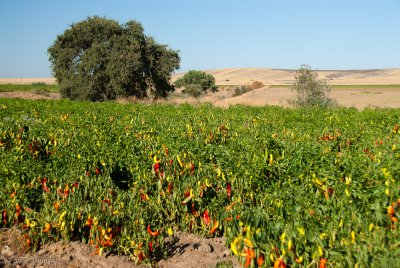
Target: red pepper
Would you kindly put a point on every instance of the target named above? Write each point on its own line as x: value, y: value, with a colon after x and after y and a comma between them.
x: 279, y: 263
x: 156, y: 167
x: 66, y: 191
x: 155, y: 233
x: 143, y: 196
x: 4, y: 216
x: 228, y: 188
x: 151, y: 247
x: 191, y: 168
x: 194, y: 211
x: 107, y: 243
x: 169, y: 189
x: 249, y: 256
x: 186, y: 194
x: 206, y: 217
x: 44, y: 186
x: 89, y: 222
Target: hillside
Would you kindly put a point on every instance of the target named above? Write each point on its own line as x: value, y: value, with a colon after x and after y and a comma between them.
x: 240, y: 76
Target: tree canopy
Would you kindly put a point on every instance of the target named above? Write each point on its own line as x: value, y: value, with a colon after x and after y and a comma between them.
x: 194, y: 77
x: 99, y: 59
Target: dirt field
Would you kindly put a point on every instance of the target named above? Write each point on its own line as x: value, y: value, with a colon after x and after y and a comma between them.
x: 183, y: 250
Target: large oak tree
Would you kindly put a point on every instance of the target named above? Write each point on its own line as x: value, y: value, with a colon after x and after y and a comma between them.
x: 99, y: 59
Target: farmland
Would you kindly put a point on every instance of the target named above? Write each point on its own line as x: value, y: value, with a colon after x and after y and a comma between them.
x: 286, y: 187
x: 34, y: 87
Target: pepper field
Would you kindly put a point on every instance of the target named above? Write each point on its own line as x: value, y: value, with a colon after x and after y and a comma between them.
x: 286, y: 187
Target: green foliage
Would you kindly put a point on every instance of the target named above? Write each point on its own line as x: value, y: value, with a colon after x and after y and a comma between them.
x: 194, y: 90
x: 38, y: 84
x: 193, y: 77
x: 240, y: 90
x: 311, y: 91
x: 42, y: 87
x: 300, y: 184
x: 98, y: 59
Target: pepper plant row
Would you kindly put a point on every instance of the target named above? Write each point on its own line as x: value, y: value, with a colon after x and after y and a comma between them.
x: 286, y: 187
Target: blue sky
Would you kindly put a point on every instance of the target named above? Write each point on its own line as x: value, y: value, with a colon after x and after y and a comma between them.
x: 211, y: 34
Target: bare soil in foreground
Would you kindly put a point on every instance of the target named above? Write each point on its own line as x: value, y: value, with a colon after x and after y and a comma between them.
x: 183, y: 250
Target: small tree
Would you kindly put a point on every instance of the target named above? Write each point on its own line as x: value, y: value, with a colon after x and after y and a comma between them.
x: 98, y: 59
x: 311, y: 91
x: 204, y: 80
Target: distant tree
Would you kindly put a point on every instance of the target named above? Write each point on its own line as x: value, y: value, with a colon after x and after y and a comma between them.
x: 98, y: 59
x: 311, y: 91
x: 240, y: 90
x: 204, y: 80
x: 256, y: 84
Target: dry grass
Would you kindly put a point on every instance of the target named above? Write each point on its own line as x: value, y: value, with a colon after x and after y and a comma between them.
x: 28, y: 81
x: 244, y: 76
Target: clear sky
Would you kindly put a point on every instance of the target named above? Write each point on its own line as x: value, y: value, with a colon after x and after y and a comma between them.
x: 211, y: 34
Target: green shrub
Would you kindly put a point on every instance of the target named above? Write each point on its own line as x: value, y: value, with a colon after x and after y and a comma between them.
x: 38, y: 84
x: 193, y: 90
x: 240, y: 90
x: 311, y: 91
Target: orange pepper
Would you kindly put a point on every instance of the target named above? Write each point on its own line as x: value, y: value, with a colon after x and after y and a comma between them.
x: 47, y: 228
x: 260, y: 260
x: 279, y: 263
x: 390, y: 210
x: 322, y: 263
x: 155, y: 233
x: 215, y: 227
